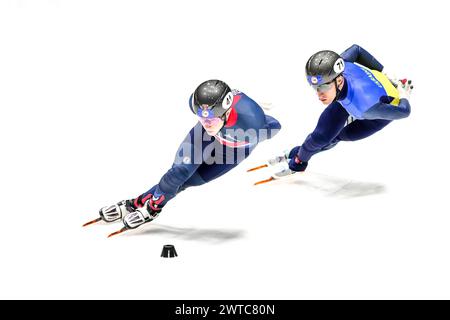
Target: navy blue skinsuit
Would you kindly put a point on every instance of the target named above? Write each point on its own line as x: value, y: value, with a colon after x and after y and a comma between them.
x: 202, y: 158
x: 368, y: 96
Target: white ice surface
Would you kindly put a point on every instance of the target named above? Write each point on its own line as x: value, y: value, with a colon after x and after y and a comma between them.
x: 93, y: 100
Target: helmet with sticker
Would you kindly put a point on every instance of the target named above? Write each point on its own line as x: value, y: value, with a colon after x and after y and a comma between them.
x: 211, y: 99
x: 323, y: 67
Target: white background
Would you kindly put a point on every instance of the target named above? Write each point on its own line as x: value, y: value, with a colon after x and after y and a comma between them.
x: 93, y: 100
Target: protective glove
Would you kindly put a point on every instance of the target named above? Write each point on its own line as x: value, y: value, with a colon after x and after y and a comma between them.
x: 295, y: 164
x: 404, y: 88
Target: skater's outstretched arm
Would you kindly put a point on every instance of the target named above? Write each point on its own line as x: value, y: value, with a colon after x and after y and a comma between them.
x: 330, y: 123
x: 357, y: 54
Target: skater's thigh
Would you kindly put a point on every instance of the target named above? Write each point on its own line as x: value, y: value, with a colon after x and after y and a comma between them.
x: 206, y: 173
x: 222, y: 161
x: 361, y: 129
x: 213, y: 171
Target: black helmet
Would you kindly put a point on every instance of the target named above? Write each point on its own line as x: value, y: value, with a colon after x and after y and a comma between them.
x: 323, y: 67
x: 212, y: 98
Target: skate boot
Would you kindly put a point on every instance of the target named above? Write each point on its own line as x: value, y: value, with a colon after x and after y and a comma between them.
x: 116, y: 211
x: 147, y: 213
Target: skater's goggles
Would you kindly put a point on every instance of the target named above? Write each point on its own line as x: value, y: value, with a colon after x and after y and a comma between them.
x: 323, y: 87
x: 207, y: 117
x: 316, y: 83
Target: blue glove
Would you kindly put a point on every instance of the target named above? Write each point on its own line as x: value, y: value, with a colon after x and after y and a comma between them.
x: 295, y: 164
x: 293, y: 152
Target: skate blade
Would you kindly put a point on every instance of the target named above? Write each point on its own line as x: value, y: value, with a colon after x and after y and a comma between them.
x: 264, y: 181
x: 278, y: 175
x: 92, y: 222
x: 257, y: 168
x: 118, y: 232
x: 271, y: 163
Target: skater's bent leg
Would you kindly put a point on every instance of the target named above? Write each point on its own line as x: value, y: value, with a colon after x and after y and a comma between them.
x: 225, y: 159
x: 188, y: 159
x: 193, y: 181
x: 388, y: 111
x: 361, y: 129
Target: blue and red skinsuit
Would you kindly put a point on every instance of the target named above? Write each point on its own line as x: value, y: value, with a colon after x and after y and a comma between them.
x: 367, y: 96
x: 223, y: 151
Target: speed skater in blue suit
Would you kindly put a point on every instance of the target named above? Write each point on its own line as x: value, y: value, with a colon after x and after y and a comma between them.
x: 230, y: 125
x: 360, y: 99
